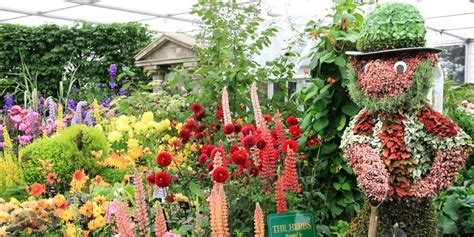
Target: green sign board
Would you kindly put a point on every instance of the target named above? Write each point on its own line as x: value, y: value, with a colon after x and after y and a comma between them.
x: 291, y: 224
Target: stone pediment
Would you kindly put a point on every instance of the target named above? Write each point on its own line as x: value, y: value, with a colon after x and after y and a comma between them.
x: 168, y: 49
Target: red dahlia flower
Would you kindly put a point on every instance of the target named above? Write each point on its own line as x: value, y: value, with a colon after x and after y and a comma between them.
x: 219, y: 113
x: 229, y: 129
x: 292, y: 120
x: 162, y: 179
x: 220, y: 175
x: 238, y: 128
x: 197, y: 108
x: 184, y: 134
x: 247, y: 129
x: 215, y: 150
x: 249, y: 141
x: 254, y: 171
x: 267, y: 117
x: 203, y: 159
x: 292, y: 144
x: 164, y: 159
x: 239, y: 157
x: 207, y: 149
x: 151, y: 178
x: 261, y: 144
x: 233, y: 148
x: 313, y: 142
x: 295, y: 131
x: 191, y: 125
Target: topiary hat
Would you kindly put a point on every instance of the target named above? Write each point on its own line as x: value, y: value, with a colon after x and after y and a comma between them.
x: 392, y: 27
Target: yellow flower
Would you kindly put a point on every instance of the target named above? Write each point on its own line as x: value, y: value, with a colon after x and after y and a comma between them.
x: 3, y: 231
x: 166, y: 137
x: 69, y: 214
x: 179, y: 126
x: 163, y: 125
x: 70, y: 231
x: 97, y: 223
x: 98, y: 210
x: 59, y: 201
x: 132, y: 142
x: 87, y: 209
x: 140, y: 128
x: 181, y: 198
x: 147, y: 117
x: 14, y: 201
x: 100, y: 199
x: 122, y: 123
x: 114, y: 136
x: 99, y: 127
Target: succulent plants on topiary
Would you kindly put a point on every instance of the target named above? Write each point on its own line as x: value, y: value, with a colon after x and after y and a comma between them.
x: 390, y: 26
x: 78, y: 147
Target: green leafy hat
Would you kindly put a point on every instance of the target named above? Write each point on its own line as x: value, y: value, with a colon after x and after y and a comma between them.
x: 392, y: 27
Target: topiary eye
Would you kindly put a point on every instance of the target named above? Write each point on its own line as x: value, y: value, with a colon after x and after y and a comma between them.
x: 400, y: 67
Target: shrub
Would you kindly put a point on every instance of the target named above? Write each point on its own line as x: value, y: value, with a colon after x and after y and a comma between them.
x: 71, y: 150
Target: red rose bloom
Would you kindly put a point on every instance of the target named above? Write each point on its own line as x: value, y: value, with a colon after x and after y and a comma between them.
x: 239, y: 157
x: 164, y: 159
x: 229, y: 129
x: 292, y: 120
x: 203, y: 159
x: 151, y: 178
x: 295, y: 131
x: 197, y: 108
x: 249, y: 141
x: 220, y: 175
x: 261, y: 144
x: 292, y: 144
x: 162, y: 179
x: 267, y: 117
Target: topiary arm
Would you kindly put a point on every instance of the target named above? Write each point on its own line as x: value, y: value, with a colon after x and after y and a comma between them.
x: 370, y: 170
x: 446, y: 167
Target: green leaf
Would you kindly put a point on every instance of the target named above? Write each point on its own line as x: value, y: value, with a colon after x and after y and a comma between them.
x: 350, y: 109
x: 340, y: 61
x: 321, y: 123
x: 195, y: 189
x: 342, y: 123
x: 448, y: 226
x: 336, y: 186
x: 346, y: 186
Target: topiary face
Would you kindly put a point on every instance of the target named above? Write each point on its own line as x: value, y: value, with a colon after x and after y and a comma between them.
x: 390, y: 26
x: 388, y: 81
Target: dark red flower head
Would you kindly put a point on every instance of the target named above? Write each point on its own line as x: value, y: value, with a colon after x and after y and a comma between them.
x: 275, y: 134
x: 239, y: 157
x: 254, y: 171
x: 169, y: 198
x: 210, y: 166
x: 238, y: 128
x: 229, y: 129
x: 292, y: 120
x: 267, y: 117
x: 191, y: 125
x: 233, y: 148
x: 207, y: 149
x: 203, y: 159
x: 216, y: 150
x: 248, y: 129
x: 220, y: 175
x: 197, y: 108
x: 249, y: 141
x: 162, y: 179
x: 219, y: 112
x: 261, y: 144
x: 199, y: 116
x: 184, y: 134
x: 292, y: 144
x: 164, y: 159
x: 151, y: 178
x: 295, y: 131
x: 313, y: 142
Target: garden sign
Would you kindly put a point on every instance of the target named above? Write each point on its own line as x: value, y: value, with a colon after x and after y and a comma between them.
x: 291, y: 224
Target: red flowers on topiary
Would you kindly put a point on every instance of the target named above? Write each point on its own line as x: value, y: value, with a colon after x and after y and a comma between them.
x: 292, y: 120
x: 220, y: 175
x: 229, y: 129
x: 364, y: 125
x: 164, y: 159
x: 162, y: 179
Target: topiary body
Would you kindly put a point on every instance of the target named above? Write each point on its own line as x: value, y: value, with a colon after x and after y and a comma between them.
x: 69, y: 151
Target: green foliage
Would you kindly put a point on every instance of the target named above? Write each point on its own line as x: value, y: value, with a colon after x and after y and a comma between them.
x: 17, y: 192
x: 412, y: 99
x: 456, y: 206
x: 69, y: 151
x: 329, y: 184
x: 414, y: 217
x: 229, y: 40
x: 48, y: 49
x: 392, y: 25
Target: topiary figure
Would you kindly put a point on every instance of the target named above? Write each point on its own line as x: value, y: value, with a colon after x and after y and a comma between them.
x: 402, y: 151
x: 71, y: 150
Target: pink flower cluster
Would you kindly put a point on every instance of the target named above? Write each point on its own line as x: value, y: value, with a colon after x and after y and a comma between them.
x: 370, y: 171
x: 25, y: 121
x: 446, y: 167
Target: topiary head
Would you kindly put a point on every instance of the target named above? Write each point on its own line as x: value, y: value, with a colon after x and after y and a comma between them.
x: 391, y: 26
x: 393, y: 69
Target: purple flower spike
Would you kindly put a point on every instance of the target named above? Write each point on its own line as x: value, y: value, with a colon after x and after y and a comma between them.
x: 8, y: 98
x: 112, y: 84
x: 113, y: 71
